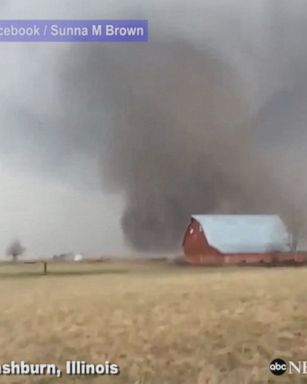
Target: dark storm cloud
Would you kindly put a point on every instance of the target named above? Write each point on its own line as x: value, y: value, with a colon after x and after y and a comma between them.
x: 177, y: 136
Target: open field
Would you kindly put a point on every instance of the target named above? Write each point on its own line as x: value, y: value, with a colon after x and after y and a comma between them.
x: 163, y: 324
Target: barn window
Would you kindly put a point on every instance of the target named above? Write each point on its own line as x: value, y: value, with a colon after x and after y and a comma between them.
x: 191, y: 231
x: 200, y: 228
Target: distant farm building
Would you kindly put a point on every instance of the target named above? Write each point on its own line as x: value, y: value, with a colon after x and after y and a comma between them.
x: 71, y: 256
x: 238, y: 239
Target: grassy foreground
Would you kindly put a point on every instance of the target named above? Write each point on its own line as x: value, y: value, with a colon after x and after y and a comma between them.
x: 162, y: 324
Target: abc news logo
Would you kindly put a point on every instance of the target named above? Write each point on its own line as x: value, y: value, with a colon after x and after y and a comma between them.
x: 278, y: 367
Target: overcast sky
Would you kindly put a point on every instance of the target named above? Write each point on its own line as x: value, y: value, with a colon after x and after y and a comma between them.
x: 50, y: 200
x: 52, y: 189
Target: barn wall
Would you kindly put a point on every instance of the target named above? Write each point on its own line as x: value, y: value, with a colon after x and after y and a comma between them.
x: 248, y: 259
x: 196, y: 247
x: 205, y: 259
x: 230, y: 259
x: 255, y: 258
x: 300, y: 257
x: 265, y: 258
x: 195, y: 243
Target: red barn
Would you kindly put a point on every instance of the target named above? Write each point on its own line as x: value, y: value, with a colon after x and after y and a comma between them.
x: 238, y: 239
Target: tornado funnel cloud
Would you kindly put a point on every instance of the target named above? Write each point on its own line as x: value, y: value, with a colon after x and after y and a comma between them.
x: 178, y: 139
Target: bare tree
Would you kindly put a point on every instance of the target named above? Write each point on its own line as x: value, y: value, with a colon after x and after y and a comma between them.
x: 15, y: 249
x: 296, y: 226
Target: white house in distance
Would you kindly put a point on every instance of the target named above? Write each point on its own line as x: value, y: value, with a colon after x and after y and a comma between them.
x: 71, y: 256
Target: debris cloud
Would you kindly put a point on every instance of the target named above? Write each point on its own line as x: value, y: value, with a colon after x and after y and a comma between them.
x: 179, y: 138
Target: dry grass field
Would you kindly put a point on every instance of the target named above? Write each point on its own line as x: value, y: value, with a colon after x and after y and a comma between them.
x: 162, y: 324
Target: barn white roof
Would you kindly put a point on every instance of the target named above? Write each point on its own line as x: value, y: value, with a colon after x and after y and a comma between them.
x: 245, y: 233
